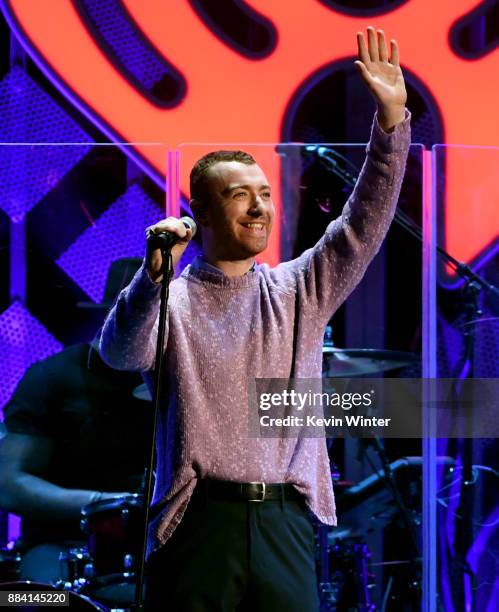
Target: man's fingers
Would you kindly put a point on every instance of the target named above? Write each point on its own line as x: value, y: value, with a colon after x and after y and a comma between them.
x: 372, y: 44
x: 362, y: 48
x: 376, y: 48
x: 363, y: 70
x: 394, y: 54
x: 170, y: 225
x: 383, y: 54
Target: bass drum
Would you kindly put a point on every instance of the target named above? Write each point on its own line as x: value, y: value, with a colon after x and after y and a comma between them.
x: 77, y: 603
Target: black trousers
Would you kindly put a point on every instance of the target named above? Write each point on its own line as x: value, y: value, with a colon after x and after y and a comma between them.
x: 228, y: 556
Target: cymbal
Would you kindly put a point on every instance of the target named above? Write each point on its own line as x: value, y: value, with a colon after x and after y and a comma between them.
x: 346, y: 363
x: 339, y: 534
x: 480, y: 321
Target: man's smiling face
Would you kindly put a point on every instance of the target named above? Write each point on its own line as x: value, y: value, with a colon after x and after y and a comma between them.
x: 239, y: 209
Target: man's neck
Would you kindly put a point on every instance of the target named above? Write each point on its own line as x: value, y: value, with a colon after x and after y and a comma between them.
x: 231, y: 268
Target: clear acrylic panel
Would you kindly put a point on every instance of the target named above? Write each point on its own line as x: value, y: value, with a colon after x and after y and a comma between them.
x: 67, y: 212
x: 377, y: 332
x: 465, y: 324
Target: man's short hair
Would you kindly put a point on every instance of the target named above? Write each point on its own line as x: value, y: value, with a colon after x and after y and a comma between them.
x: 201, y: 167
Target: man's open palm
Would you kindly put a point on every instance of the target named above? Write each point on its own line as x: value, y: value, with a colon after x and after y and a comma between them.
x: 382, y: 74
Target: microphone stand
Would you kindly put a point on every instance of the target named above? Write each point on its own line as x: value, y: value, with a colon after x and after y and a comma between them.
x: 167, y: 267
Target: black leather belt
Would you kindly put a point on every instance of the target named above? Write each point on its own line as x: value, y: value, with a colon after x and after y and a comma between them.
x: 248, y: 491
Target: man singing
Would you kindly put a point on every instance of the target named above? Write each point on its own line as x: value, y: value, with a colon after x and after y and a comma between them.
x: 231, y: 528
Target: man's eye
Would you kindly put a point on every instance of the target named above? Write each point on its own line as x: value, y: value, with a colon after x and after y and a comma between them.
x: 266, y: 195
x: 240, y: 194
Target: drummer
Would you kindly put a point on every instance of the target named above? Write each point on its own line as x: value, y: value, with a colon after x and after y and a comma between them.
x: 72, y: 423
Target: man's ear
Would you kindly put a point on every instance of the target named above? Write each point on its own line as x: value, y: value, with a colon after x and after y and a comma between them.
x: 199, y: 211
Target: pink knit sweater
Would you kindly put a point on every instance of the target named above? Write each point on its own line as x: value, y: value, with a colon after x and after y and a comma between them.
x: 224, y: 331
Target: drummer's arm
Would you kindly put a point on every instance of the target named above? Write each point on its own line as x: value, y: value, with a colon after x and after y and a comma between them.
x: 24, y: 492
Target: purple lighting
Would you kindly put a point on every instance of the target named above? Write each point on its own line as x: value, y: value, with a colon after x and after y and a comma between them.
x: 29, y: 115
x: 23, y: 341
x: 119, y: 232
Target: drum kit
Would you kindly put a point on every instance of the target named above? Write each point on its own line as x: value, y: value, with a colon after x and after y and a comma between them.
x: 101, y: 575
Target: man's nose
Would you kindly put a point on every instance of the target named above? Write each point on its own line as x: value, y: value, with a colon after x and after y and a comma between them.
x: 257, y: 206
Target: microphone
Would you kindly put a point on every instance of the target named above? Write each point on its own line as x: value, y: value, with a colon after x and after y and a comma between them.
x: 166, y: 240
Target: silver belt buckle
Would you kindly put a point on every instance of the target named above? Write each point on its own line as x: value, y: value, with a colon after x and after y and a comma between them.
x: 262, y: 484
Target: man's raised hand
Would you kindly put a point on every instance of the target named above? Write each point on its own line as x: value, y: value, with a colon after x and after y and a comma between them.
x: 383, y: 76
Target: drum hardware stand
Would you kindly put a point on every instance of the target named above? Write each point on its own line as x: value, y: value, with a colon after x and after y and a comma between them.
x: 463, y: 529
x: 326, y: 589
x: 348, y: 587
x: 415, y: 558
x: 167, y: 268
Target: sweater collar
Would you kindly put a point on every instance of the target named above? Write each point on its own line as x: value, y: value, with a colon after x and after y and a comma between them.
x: 201, y: 270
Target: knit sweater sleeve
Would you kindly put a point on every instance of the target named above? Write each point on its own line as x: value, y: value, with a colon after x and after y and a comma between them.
x: 326, y: 274
x: 128, y: 336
